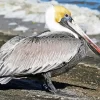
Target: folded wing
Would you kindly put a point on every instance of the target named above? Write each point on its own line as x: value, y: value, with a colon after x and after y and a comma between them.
x: 38, y: 54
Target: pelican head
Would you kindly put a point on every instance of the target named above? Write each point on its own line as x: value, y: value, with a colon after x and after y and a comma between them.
x: 58, y: 18
x: 54, y: 16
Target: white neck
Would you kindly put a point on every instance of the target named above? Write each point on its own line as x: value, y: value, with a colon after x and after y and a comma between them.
x: 53, y: 25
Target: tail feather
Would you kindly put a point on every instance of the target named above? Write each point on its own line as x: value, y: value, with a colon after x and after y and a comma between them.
x: 5, y: 80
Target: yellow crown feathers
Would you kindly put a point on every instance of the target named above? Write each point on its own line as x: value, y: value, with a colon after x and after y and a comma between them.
x: 60, y: 12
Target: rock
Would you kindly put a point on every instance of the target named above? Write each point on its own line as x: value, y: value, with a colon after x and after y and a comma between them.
x: 83, y: 76
x: 4, y: 38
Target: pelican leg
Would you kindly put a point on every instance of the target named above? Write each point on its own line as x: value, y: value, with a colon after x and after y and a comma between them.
x: 48, y: 85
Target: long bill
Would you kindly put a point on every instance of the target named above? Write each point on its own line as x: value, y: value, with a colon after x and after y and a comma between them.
x: 76, y: 29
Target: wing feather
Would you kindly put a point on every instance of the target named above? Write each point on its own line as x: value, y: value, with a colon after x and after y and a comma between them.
x: 39, y: 54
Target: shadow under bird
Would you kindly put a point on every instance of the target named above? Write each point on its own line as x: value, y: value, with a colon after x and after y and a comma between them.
x: 47, y: 54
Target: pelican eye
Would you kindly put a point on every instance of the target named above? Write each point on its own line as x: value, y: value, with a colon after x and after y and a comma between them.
x: 69, y: 18
x: 66, y: 15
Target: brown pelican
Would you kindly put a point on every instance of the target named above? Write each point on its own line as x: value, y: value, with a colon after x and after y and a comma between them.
x: 49, y: 54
